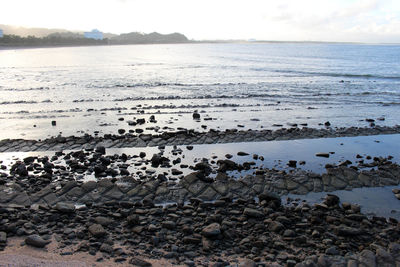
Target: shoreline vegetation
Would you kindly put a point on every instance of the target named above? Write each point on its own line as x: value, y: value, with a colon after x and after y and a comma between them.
x: 11, y: 41
x: 72, y: 39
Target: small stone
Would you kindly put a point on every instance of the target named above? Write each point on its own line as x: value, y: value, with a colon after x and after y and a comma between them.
x: 212, y: 230
x: 323, y: 155
x: 292, y: 163
x: 106, y: 248
x: 36, y: 241
x: 332, y: 251
x: 138, y: 262
x: 241, y: 153
x: 65, y: 207
x: 196, y: 116
x: 101, y: 150
x: 3, y: 237
x: 97, y: 230
x: 276, y: 226
x: 169, y: 225
x: 253, y: 213
x: 53, y: 123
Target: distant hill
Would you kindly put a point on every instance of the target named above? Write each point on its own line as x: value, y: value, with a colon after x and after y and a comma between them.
x: 34, y: 37
x: 151, y: 38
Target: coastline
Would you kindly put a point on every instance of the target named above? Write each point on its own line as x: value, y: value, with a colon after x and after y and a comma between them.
x: 199, y: 219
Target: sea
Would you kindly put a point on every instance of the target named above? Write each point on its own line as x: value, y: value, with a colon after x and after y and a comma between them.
x: 100, y: 89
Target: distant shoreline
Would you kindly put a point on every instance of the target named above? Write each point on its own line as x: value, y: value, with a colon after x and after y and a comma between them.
x: 18, y: 47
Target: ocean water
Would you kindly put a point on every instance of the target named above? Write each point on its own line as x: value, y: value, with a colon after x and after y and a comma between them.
x: 87, y: 89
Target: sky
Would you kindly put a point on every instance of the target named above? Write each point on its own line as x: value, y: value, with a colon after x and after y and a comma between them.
x: 371, y: 21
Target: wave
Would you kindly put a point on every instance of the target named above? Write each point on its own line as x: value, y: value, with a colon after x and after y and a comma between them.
x: 161, y: 84
x: 24, y: 102
x: 333, y: 74
x: 25, y: 89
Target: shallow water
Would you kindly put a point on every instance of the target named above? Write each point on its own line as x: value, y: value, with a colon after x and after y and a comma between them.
x: 87, y: 89
x: 374, y: 201
x: 276, y: 154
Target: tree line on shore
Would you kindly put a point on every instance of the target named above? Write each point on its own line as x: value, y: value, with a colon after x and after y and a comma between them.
x: 76, y: 39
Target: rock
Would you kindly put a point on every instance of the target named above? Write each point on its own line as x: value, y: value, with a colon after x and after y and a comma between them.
x: 331, y: 200
x: 253, y: 213
x: 396, y: 190
x: 138, y: 262
x: 53, y: 123
x: 196, y: 116
x: 169, y: 225
x: 97, y: 230
x: 275, y: 226
x: 332, y: 251
x: 211, y: 230
x: 176, y: 172
x: 3, y: 237
x: 65, y: 207
x: 397, y: 196
x: 321, y: 154
x: 241, y: 153
x: 247, y: 263
x: 121, y: 131
x: 269, y: 196
x: 292, y: 163
x: 101, y: 150
x: 104, y: 221
x: 133, y: 219
x: 106, y: 248
x: 327, y: 124
x: 367, y: 258
x: 289, y: 233
x: 142, y: 154
x: 36, y: 241
x: 347, y: 231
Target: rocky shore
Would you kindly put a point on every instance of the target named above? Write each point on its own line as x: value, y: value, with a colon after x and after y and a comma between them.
x: 221, y: 233
x: 187, y: 137
x: 140, y: 209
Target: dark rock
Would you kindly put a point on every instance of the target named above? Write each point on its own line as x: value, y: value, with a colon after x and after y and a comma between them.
x: 138, y: 262
x: 169, y: 225
x: 331, y: 200
x: 53, y: 123
x: 36, y: 241
x: 211, y: 230
x: 322, y: 154
x: 97, y: 230
x: 269, y: 196
x: 133, y: 219
x: 196, y: 116
x: 347, y: 231
x: 241, y: 153
x: 106, y: 248
x: 292, y: 163
x: 101, y: 150
x: 332, y: 251
x: 3, y: 237
x: 65, y: 207
x: 275, y: 226
x: 253, y: 213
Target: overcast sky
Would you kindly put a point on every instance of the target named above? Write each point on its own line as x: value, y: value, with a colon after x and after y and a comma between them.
x: 317, y: 20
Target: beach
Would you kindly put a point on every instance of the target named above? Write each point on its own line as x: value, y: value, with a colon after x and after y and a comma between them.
x: 165, y: 158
